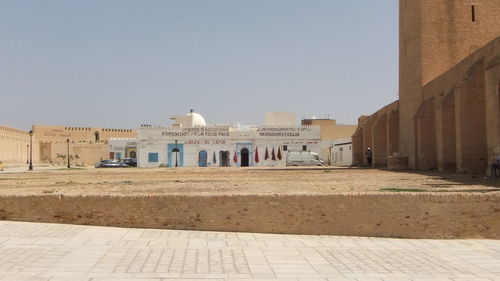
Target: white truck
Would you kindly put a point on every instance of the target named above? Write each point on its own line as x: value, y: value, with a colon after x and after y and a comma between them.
x: 303, y: 158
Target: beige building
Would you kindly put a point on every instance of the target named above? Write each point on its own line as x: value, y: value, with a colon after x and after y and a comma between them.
x: 447, y: 117
x: 87, y: 145
x: 330, y: 130
x: 331, y: 133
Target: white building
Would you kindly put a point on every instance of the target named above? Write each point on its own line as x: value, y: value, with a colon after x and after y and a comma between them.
x: 342, y: 152
x: 189, y: 142
x: 122, y: 148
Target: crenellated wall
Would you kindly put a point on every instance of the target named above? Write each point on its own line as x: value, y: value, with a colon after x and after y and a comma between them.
x: 87, y: 144
x: 14, y: 146
x: 87, y: 134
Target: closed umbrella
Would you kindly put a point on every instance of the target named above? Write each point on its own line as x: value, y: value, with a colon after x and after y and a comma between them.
x: 273, y: 156
x: 235, y: 158
x: 214, y: 159
x: 257, y: 155
x: 279, y: 153
x: 266, y: 156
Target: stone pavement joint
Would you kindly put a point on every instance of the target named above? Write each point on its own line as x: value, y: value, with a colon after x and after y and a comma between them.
x: 54, y: 252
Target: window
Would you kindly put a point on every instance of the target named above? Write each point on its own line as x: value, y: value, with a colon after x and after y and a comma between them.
x: 304, y: 148
x: 473, y: 13
x: 285, y: 147
x: 350, y: 147
x: 153, y: 157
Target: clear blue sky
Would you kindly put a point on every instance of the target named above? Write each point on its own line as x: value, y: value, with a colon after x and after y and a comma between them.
x: 119, y: 64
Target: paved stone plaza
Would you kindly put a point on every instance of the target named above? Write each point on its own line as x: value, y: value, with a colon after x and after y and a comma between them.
x: 43, y: 252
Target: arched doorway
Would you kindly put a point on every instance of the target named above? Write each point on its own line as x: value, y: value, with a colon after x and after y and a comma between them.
x: 202, y: 158
x: 224, y: 158
x: 176, y: 151
x: 96, y: 134
x: 175, y: 155
x: 133, y: 154
x: 245, y: 159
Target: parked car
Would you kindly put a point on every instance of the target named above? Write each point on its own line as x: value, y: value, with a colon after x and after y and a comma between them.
x: 131, y: 162
x: 303, y: 158
x: 110, y: 163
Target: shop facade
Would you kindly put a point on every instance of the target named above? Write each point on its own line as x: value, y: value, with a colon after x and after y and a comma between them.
x: 223, y: 146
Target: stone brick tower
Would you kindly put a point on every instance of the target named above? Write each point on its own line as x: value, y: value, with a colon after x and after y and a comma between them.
x: 434, y: 36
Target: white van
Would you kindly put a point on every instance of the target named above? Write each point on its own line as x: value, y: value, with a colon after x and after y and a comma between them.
x: 303, y: 158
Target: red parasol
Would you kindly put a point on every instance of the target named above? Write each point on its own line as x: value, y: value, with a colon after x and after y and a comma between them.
x: 279, y: 153
x: 273, y: 156
x: 257, y: 155
x: 266, y: 156
x: 235, y: 158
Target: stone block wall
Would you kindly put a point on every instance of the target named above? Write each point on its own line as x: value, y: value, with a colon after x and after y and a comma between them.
x: 456, y: 126
x: 382, y: 215
x: 435, y: 35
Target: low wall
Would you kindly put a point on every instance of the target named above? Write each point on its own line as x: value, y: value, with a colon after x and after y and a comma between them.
x: 384, y: 215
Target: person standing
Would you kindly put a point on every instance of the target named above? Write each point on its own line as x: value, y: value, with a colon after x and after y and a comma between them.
x: 495, y: 167
x: 369, y: 156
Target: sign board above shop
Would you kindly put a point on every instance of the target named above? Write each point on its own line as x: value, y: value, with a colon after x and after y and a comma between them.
x: 197, y: 132
x: 225, y: 133
x: 283, y: 132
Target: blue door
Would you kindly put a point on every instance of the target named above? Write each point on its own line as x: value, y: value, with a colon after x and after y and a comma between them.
x: 202, y: 159
x: 175, y: 155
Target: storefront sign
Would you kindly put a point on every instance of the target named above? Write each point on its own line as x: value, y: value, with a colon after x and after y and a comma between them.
x: 198, y: 132
x: 282, y: 132
x: 205, y: 142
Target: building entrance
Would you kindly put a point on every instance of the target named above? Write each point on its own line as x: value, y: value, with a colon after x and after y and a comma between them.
x: 202, y: 159
x: 224, y: 158
x: 175, y: 155
x: 245, y: 159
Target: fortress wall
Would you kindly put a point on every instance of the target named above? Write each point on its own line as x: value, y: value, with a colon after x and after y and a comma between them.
x: 14, y: 147
x: 88, y: 154
x: 386, y: 215
x: 379, y: 131
x: 434, y: 36
x: 61, y: 133
x: 465, y: 110
x: 52, y: 142
x: 456, y: 126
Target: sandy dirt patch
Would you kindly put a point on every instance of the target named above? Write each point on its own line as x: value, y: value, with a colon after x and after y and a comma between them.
x: 237, y: 181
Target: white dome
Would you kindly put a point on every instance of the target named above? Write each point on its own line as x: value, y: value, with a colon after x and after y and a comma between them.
x: 197, y: 120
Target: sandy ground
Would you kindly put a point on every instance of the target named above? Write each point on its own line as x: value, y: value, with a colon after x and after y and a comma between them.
x: 232, y: 181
